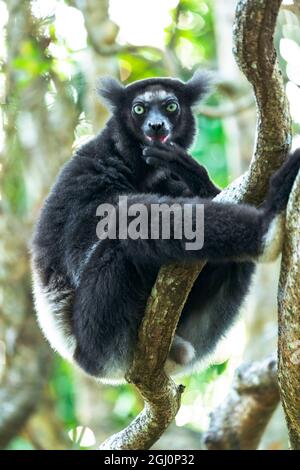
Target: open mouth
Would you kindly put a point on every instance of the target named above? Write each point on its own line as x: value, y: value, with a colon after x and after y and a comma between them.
x: 158, y: 138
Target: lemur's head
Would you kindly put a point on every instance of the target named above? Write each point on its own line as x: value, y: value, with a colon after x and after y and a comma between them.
x: 156, y: 109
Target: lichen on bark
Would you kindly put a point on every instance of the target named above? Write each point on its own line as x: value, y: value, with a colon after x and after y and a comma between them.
x: 289, y: 319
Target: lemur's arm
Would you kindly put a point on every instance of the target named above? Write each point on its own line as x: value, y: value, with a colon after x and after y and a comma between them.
x: 231, y: 231
x: 180, y: 163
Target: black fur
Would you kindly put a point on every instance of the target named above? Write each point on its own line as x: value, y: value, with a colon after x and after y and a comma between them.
x: 107, y: 283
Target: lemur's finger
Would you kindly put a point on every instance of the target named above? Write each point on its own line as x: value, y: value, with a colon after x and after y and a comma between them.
x: 179, y: 150
x: 158, y: 153
x: 149, y: 154
x: 172, y: 148
x: 181, y: 155
x: 155, y: 162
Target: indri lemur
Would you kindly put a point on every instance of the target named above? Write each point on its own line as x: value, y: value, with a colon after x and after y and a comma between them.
x: 91, y: 294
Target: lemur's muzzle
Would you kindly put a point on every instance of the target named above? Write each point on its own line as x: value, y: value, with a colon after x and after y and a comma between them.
x: 157, y: 131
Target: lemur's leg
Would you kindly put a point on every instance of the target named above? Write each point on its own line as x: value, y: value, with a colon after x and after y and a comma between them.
x: 108, y: 306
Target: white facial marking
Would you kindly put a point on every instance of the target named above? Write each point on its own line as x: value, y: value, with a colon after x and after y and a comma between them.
x: 153, y: 95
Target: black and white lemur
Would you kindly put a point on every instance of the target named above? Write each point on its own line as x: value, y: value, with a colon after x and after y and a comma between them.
x: 91, y: 294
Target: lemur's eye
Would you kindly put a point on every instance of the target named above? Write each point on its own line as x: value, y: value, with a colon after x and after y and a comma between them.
x: 138, y: 109
x: 172, y: 107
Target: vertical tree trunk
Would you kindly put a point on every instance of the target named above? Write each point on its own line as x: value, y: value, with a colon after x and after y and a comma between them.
x: 289, y: 319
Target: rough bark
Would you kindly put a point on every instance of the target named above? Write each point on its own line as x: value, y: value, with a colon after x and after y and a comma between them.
x: 240, y: 420
x: 256, y: 56
x: 289, y: 319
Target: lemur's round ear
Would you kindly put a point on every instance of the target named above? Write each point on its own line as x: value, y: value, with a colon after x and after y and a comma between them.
x: 198, y: 86
x: 111, y: 90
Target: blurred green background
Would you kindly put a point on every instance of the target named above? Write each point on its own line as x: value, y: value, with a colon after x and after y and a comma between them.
x: 51, y: 54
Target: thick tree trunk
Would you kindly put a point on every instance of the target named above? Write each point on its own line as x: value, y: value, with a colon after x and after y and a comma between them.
x: 289, y: 319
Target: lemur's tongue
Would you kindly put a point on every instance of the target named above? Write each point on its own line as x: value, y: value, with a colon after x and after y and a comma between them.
x: 162, y: 138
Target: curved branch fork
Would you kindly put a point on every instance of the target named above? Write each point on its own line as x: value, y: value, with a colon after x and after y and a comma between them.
x: 254, y: 50
x: 160, y: 393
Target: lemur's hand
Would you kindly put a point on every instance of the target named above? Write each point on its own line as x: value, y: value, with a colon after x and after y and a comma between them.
x: 162, y: 181
x: 281, y: 184
x: 274, y: 205
x: 170, y: 156
x: 174, y: 158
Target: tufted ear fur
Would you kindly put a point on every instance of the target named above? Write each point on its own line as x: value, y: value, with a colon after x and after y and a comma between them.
x: 198, y: 86
x: 111, y: 90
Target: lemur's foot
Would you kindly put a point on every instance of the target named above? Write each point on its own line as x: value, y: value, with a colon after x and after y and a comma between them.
x: 274, y: 206
x: 281, y: 184
x: 182, y: 352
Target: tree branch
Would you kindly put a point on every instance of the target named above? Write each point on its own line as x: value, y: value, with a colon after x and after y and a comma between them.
x: 256, y: 56
x: 238, y: 422
x: 20, y: 391
x: 254, y: 50
x: 223, y: 111
x: 112, y: 50
x: 289, y: 319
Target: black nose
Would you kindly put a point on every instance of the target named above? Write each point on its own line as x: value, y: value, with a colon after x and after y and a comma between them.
x: 156, y: 126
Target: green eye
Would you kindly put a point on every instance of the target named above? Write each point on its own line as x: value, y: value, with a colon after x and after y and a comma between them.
x: 172, y: 107
x: 139, y: 109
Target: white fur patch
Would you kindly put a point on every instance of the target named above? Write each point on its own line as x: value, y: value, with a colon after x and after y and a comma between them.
x: 273, y: 240
x: 149, y: 96
x: 50, y: 317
